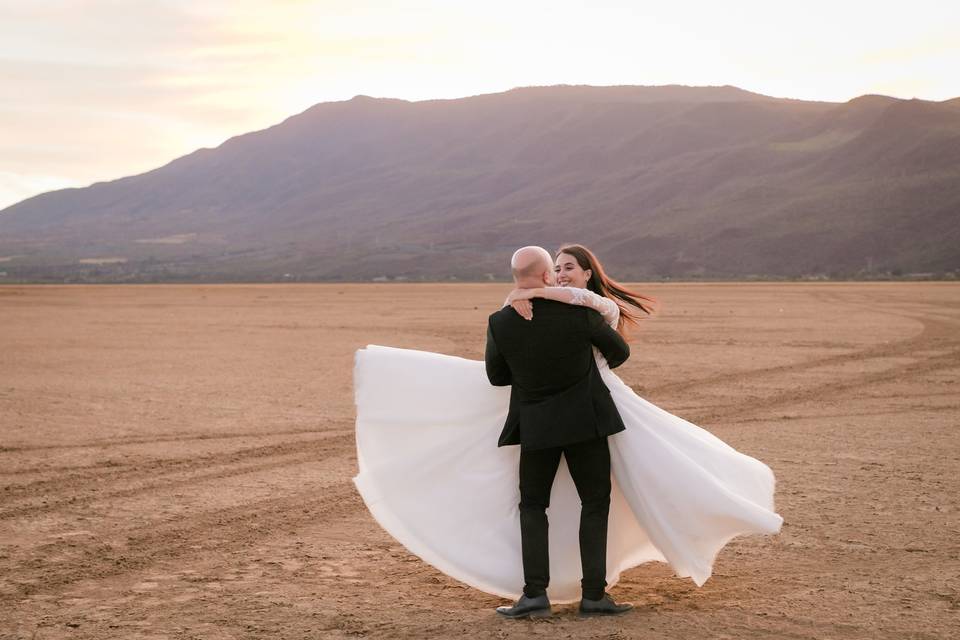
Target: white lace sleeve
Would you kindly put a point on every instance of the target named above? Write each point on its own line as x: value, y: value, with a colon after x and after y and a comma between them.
x: 586, y: 298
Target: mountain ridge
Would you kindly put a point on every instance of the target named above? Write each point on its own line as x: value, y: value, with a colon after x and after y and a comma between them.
x: 671, y: 181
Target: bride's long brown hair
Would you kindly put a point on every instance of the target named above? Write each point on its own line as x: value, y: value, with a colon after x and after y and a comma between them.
x: 631, y: 303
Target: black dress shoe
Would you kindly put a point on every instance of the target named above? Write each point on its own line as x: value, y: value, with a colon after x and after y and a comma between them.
x: 538, y: 607
x: 605, y: 606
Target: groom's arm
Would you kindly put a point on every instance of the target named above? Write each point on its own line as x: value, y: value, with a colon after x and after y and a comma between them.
x: 613, y: 347
x: 498, y: 372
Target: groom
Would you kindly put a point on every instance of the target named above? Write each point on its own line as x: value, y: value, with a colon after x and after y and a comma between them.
x: 559, y: 405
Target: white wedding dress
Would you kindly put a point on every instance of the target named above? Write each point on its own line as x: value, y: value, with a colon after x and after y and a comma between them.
x: 433, y: 477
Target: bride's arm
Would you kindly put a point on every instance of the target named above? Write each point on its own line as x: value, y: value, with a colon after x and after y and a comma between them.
x: 568, y: 295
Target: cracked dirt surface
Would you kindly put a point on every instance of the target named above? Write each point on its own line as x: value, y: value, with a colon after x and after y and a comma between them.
x: 175, y: 462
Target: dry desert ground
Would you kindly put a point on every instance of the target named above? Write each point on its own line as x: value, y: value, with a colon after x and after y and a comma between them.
x: 176, y: 462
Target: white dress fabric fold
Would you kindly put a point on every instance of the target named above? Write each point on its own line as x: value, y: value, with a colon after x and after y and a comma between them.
x: 433, y: 477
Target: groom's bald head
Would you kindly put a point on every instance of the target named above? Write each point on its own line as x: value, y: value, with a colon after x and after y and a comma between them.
x: 532, y: 267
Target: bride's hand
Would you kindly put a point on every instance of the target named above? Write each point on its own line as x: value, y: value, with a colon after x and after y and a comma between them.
x: 523, y: 307
x: 519, y: 299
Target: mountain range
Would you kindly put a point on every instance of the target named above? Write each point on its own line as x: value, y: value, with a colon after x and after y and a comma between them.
x: 662, y: 182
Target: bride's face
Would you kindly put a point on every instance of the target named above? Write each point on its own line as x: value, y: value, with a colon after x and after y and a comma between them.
x: 570, y: 273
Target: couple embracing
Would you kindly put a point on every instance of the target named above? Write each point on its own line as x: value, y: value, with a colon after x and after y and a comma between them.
x: 643, y: 484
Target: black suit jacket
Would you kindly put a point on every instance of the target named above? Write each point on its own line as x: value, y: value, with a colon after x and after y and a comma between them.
x: 557, y: 396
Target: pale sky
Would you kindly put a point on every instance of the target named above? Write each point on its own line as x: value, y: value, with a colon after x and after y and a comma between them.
x: 94, y: 90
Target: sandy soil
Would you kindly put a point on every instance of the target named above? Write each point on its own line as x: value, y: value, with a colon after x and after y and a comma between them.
x: 175, y: 462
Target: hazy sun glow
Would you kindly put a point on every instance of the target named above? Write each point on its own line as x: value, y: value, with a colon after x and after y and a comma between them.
x: 94, y: 90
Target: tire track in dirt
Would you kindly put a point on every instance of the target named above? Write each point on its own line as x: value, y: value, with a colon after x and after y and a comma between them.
x: 156, y: 542
x: 118, y: 471
x: 935, y: 333
x: 72, y: 490
x: 938, y: 334
x: 821, y: 391
x: 119, y: 442
x: 861, y: 414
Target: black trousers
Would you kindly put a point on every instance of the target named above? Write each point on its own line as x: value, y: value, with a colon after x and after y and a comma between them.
x: 589, y: 464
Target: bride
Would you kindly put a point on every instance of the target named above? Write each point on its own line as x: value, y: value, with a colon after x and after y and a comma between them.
x: 433, y: 477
